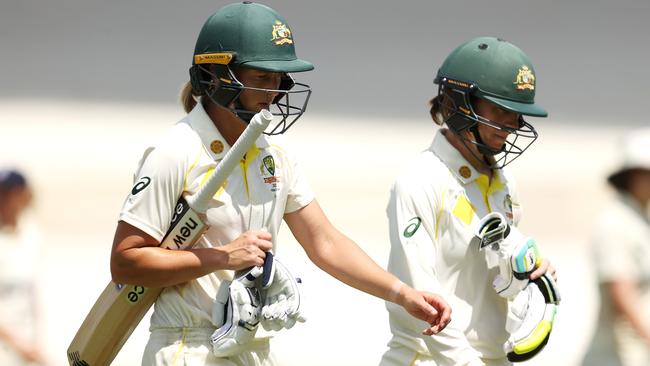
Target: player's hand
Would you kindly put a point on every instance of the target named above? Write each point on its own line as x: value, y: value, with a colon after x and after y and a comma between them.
x: 544, y: 267
x: 248, y: 250
x: 429, y: 307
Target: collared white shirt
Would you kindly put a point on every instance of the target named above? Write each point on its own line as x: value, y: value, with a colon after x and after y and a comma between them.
x: 434, y: 208
x: 266, y: 185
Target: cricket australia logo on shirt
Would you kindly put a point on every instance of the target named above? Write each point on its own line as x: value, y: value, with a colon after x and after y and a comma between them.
x: 507, y: 206
x: 268, y: 172
x: 412, y: 227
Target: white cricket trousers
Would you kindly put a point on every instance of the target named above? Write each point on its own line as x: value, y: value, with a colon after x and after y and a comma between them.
x: 192, y: 347
x: 402, y: 356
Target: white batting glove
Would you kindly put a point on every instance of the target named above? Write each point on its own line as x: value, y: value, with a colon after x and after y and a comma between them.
x: 516, y: 255
x: 236, y: 314
x: 531, y: 312
x: 281, y: 308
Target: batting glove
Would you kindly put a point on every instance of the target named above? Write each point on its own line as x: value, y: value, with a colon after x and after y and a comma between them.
x: 281, y: 308
x: 531, y: 312
x: 236, y: 314
x: 516, y: 255
x: 530, y: 319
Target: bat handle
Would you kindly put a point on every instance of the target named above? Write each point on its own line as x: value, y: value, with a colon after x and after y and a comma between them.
x: 267, y: 270
x: 252, y: 274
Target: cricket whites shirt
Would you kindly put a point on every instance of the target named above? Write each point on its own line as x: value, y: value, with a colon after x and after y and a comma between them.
x: 266, y: 185
x: 434, y: 209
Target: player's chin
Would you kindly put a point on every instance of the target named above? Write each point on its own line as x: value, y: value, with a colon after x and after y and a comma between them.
x: 497, y: 144
x: 261, y: 106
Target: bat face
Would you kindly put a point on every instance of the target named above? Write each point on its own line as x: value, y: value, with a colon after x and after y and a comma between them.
x: 118, y: 310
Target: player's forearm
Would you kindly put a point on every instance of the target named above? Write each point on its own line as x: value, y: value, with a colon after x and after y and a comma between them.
x: 337, y: 255
x: 343, y: 259
x: 157, y: 267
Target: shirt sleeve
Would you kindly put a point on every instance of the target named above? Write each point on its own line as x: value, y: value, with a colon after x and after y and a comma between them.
x: 299, y: 192
x: 412, y: 213
x: 158, y: 183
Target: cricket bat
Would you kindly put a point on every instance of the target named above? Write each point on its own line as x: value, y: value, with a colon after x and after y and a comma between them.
x: 120, y: 308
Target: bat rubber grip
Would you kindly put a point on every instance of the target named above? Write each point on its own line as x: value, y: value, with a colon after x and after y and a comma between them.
x: 267, y: 274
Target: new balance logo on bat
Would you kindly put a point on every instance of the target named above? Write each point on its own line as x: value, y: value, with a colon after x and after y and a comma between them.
x: 184, y: 227
x: 185, y: 232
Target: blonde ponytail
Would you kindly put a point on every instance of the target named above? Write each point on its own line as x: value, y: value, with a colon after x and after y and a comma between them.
x: 439, y: 108
x: 188, y: 98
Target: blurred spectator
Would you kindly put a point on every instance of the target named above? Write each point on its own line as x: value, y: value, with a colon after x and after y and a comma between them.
x: 18, y: 245
x: 621, y: 248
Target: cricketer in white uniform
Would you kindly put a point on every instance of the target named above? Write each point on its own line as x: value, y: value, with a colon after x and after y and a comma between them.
x: 621, y: 252
x: 257, y: 194
x: 434, y: 207
x: 437, y: 202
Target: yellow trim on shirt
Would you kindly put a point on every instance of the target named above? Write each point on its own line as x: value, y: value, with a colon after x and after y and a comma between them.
x: 464, y: 210
x: 246, y: 162
x: 415, y: 358
x: 488, y: 187
x: 483, y: 184
x: 495, y: 185
x: 187, y: 173
x: 205, y: 179
x: 206, y: 176
x: 180, y: 348
x: 278, y: 147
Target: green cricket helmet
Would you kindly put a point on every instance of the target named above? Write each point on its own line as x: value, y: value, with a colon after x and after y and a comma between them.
x: 249, y: 35
x: 499, y: 72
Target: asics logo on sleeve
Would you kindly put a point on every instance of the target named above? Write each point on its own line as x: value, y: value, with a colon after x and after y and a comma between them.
x: 142, y: 184
x: 412, y: 227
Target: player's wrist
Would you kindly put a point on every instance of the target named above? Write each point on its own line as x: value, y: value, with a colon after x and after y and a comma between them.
x: 220, y: 259
x: 396, y: 292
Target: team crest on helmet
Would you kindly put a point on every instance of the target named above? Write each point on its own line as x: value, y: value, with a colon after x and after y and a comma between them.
x: 525, y: 79
x: 281, y: 34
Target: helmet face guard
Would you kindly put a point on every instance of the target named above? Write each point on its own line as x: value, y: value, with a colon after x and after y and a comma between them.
x: 456, y: 104
x: 223, y: 88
